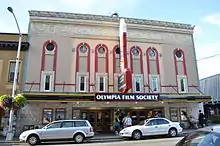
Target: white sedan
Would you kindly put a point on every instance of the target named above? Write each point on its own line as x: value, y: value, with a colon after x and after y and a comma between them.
x: 150, y: 127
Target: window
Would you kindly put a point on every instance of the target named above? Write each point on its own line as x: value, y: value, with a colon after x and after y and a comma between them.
x: 182, y: 84
x: 162, y: 122
x: 83, y: 49
x: 50, y: 47
x: 60, y: 114
x: 137, y: 84
x: 67, y: 124
x: 82, y: 83
x: 54, y: 125
x: 81, y: 124
x: 101, y: 50
x: 152, y: 122
x: 178, y: 53
x: 12, y: 71
x: 47, y: 82
x: 101, y: 84
x: 154, y: 85
x: 47, y: 116
x: 135, y: 52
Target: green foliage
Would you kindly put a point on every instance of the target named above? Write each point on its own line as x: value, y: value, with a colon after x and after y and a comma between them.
x: 20, y: 100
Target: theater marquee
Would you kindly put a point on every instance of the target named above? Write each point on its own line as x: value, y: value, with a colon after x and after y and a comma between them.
x: 126, y: 97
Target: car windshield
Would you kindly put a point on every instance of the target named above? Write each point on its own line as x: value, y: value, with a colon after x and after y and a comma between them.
x: 202, y: 138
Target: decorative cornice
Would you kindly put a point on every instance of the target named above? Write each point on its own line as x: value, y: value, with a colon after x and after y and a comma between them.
x: 64, y: 15
x: 13, y: 46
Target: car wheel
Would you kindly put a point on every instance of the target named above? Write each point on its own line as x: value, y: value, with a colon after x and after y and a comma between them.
x: 136, y: 135
x: 33, y: 140
x: 172, y: 132
x: 79, y: 138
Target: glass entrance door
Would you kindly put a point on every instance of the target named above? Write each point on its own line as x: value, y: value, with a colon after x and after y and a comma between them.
x: 100, y: 120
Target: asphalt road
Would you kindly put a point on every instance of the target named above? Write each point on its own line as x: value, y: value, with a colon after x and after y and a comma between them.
x: 148, y: 142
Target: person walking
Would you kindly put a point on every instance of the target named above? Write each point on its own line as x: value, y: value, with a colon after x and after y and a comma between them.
x: 127, y: 122
x: 201, y: 119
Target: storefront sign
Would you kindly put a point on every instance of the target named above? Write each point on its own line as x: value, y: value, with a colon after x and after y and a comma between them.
x: 126, y: 97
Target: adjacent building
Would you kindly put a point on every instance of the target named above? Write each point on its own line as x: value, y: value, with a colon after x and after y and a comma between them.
x: 8, y: 51
x: 72, y: 70
x: 211, y: 86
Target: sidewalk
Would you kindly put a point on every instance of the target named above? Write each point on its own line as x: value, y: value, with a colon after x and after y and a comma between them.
x: 108, y: 136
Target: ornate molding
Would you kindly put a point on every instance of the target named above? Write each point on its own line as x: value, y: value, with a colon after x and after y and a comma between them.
x: 63, y: 15
x: 109, y: 33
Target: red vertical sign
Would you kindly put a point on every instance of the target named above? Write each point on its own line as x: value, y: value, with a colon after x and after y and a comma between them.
x: 125, y: 78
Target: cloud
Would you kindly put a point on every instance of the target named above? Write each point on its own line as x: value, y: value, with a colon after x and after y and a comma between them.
x: 213, y: 19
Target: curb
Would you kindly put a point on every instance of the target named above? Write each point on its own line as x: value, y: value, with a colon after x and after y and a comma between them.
x: 95, y: 138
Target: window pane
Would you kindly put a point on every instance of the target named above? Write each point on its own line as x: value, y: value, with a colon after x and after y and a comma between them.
x: 80, y: 124
x: 162, y: 121
x: 101, y: 83
x: 182, y: 85
x: 67, y: 124
x: 47, y: 82
x: 82, y: 83
x: 137, y: 83
x: 54, y: 125
x: 152, y: 122
x: 12, y: 71
x: 154, y: 84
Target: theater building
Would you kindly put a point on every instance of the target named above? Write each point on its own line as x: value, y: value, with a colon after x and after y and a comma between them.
x: 73, y: 64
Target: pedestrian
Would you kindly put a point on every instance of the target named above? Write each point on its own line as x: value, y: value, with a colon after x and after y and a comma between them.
x: 116, y: 123
x: 201, y: 119
x: 127, y: 121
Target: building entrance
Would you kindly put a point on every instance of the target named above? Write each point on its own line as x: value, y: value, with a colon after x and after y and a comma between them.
x: 99, y: 119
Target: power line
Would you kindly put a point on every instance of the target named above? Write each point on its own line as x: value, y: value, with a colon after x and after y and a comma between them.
x: 208, y: 57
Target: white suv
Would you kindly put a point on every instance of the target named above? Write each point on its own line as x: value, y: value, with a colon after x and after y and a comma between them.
x: 76, y: 130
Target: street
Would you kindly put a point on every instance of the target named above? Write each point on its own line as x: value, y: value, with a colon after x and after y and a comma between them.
x: 149, y: 142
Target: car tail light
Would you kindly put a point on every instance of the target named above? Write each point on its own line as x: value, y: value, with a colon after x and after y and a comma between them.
x: 91, y: 129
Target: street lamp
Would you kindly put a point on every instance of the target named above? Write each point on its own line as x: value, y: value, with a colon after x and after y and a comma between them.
x: 10, y: 130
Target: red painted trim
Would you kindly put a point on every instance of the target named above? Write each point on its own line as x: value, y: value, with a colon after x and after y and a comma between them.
x: 88, y: 59
x: 54, y: 58
x: 184, y: 63
x: 55, y: 62
x: 157, y: 60
x: 91, y: 84
x: 141, y: 59
x: 64, y: 84
x: 175, y: 68
x: 114, y: 57
x: 106, y: 57
x: 125, y: 49
x: 168, y: 86
x: 148, y: 67
x: 77, y: 56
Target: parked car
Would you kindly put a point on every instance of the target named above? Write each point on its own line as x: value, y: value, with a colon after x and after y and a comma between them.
x: 76, y: 130
x: 204, y: 137
x: 150, y: 127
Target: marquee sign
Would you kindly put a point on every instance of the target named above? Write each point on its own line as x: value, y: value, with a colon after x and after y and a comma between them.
x: 127, y: 97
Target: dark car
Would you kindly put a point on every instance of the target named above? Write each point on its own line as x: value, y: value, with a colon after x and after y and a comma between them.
x: 201, y: 138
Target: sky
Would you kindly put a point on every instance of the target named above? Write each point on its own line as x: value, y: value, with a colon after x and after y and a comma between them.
x: 205, y: 15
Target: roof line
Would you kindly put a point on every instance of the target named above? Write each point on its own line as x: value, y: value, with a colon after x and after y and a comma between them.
x: 65, y: 15
x: 8, y: 33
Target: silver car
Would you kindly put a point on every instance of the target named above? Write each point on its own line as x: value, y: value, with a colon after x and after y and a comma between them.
x: 76, y: 130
